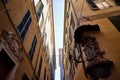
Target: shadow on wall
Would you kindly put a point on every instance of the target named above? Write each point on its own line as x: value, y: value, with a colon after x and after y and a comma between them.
x: 94, y: 63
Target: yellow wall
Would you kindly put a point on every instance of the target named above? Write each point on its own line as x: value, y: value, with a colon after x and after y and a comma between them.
x: 108, y: 39
x: 16, y: 9
x: 9, y: 22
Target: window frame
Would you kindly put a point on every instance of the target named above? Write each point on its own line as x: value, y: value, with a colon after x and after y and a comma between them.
x: 32, y: 49
x: 5, y: 1
x: 39, y: 11
x: 24, y: 25
x: 72, y: 21
x: 40, y: 66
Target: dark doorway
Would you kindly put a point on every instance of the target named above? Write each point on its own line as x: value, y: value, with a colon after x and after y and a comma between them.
x: 6, y: 64
x: 25, y: 77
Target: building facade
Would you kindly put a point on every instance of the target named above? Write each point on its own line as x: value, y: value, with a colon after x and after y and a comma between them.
x: 23, y: 54
x: 61, y: 57
x: 44, y: 11
x: 91, y: 41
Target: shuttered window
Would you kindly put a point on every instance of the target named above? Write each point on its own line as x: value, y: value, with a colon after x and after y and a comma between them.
x: 40, y: 66
x: 5, y: 1
x: 39, y: 12
x: 24, y: 25
x: 32, y: 49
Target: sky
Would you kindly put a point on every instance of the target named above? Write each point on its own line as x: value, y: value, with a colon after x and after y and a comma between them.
x: 58, y: 12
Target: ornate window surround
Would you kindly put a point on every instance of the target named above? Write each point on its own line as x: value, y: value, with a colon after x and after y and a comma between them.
x: 10, y: 44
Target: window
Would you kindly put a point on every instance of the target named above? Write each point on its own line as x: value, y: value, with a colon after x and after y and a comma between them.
x: 63, y: 77
x: 69, y: 6
x: 39, y: 12
x: 32, y: 49
x: 6, y: 65
x: 72, y: 23
x: 47, y: 78
x: 24, y: 25
x: 25, y: 77
x: 70, y: 35
x: 40, y: 66
x: 10, y: 55
x: 66, y: 63
x: 5, y: 1
x: 44, y: 38
x: 44, y: 74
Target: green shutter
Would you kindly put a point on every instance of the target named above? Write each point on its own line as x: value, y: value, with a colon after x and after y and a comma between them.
x: 40, y: 10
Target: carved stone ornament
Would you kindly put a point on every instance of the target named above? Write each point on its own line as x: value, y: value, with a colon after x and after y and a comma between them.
x: 9, y: 41
x: 94, y: 64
